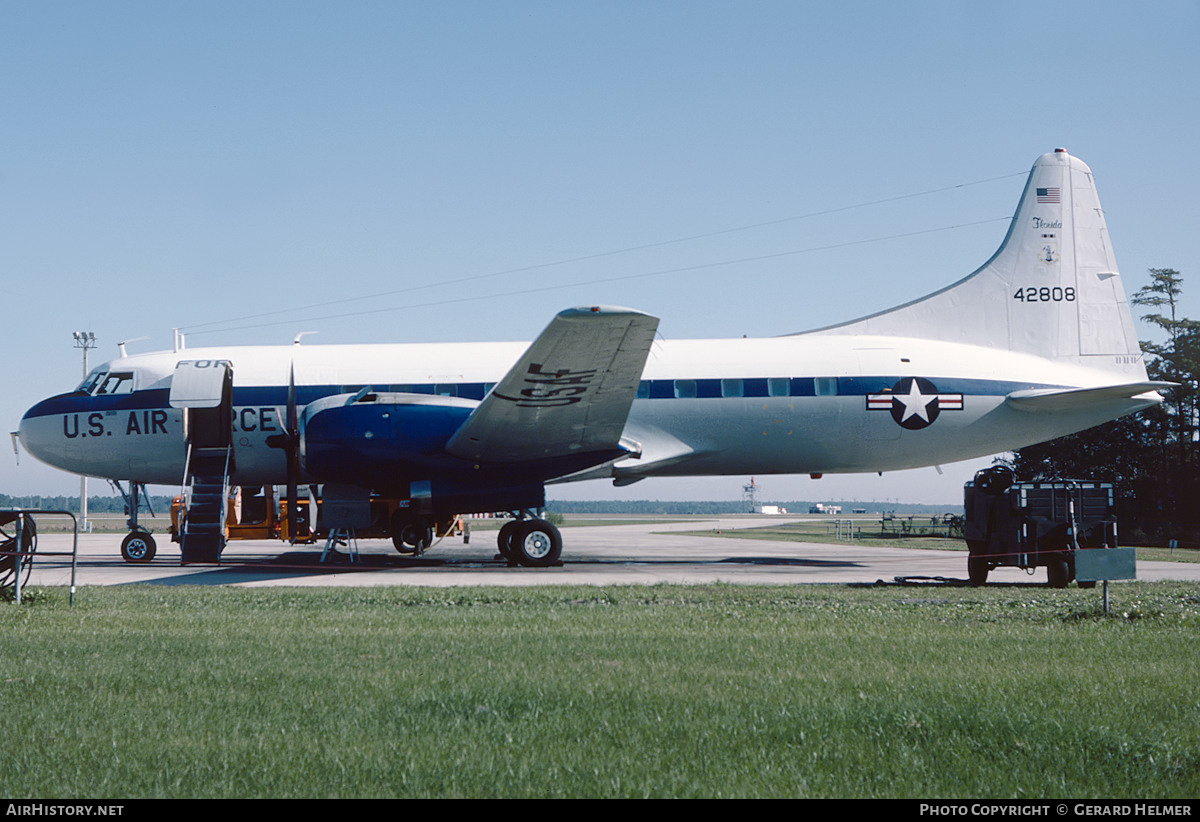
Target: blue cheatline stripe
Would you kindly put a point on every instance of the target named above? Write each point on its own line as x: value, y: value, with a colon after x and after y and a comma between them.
x: 816, y: 387
x: 709, y: 388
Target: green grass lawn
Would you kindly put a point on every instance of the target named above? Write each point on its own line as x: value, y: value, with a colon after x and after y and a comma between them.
x: 665, y: 691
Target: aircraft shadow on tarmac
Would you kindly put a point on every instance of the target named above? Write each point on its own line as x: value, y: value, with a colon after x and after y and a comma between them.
x: 794, y: 561
x: 304, y: 564
x: 301, y: 564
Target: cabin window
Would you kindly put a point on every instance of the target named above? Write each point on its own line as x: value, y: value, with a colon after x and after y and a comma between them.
x: 731, y: 388
x: 643, y: 392
x: 685, y: 389
x: 825, y: 386
x: 779, y: 387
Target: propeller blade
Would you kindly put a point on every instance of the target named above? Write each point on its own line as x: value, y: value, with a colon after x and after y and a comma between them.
x: 293, y: 456
x: 289, y: 441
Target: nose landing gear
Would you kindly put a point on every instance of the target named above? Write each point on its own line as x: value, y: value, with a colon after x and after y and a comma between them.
x: 138, y: 546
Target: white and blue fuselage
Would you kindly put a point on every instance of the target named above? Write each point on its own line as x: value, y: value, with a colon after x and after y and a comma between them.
x: 802, y: 404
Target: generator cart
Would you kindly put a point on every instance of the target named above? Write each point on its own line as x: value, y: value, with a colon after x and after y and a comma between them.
x: 1034, y: 524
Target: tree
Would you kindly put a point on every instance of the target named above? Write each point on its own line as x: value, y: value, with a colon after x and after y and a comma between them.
x: 1152, y: 457
x: 1176, y: 361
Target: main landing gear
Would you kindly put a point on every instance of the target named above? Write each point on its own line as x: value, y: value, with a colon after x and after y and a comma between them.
x: 527, y: 540
x: 534, y: 543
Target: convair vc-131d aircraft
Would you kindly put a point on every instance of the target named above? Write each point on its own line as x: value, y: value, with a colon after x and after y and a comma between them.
x: 1035, y: 344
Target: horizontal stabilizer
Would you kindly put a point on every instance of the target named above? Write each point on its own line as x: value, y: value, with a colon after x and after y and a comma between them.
x: 1066, y: 399
x: 569, y: 394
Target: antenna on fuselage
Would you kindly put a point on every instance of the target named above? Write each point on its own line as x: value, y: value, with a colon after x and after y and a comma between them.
x: 121, y: 344
x: 178, y: 344
x: 296, y: 339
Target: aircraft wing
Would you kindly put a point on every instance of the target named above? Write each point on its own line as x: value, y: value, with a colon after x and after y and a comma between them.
x: 569, y: 394
x: 1066, y: 399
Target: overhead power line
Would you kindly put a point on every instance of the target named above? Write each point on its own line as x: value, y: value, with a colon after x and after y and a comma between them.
x: 599, y: 281
x: 199, y: 328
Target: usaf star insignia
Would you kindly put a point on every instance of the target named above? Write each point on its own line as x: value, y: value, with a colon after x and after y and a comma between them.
x: 914, y: 402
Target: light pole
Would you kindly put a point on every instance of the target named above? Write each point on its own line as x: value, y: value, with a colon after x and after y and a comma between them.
x: 85, y: 340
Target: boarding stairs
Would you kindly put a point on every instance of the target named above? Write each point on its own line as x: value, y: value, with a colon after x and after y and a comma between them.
x: 206, y: 491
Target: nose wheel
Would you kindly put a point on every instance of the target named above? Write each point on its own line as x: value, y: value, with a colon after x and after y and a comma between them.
x: 138, y: 546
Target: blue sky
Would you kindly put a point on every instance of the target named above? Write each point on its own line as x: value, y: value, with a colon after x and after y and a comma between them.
x: 397, y: 171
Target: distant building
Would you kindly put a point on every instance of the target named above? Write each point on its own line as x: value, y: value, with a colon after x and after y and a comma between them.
x: 822, y: 508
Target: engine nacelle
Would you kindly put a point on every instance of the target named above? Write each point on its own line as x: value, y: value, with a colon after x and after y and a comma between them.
x: 378, y: 440
x: 394, y: 444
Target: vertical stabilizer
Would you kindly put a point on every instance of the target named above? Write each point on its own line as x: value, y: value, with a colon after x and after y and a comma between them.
x: 1052, y: 289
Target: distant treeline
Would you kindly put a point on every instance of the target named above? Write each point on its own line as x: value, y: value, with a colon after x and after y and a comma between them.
x: 116, y: 505
x: 96, y: 505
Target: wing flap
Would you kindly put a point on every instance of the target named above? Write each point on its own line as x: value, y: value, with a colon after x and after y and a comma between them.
x: 568, y: 395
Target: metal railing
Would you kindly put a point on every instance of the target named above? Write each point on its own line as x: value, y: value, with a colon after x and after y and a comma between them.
x: 18, y: 550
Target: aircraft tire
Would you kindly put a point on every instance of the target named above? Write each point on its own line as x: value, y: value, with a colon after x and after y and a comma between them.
x: 138, y: 546
x: 411, y: 535
x: 425, y: 539
x: 536, y: 543
x: 977, y: 570
x: 504, y: 540
x: 396, y: 525
x: 1057, y: 573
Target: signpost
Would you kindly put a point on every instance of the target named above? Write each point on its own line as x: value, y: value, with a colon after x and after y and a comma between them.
x: 1103, y: 564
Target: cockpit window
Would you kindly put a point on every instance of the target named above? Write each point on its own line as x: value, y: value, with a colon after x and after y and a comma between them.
x: 89, y: 382
x: 107, y: 382
x: 116, y: 382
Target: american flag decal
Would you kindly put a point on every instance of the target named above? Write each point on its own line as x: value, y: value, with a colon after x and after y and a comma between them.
x: 1049, y: 195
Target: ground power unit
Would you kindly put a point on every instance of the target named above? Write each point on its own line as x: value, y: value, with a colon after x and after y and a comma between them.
x: 1035, y: 524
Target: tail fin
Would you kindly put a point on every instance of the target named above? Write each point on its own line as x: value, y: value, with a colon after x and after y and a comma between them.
x: 1052, y: 289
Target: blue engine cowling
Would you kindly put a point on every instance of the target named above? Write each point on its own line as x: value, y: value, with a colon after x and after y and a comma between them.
x: 380, y: 439
x: 394, y: 444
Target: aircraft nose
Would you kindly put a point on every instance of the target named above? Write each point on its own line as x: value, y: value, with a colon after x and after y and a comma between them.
x: 37, y: 429
x: 26, y: 431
